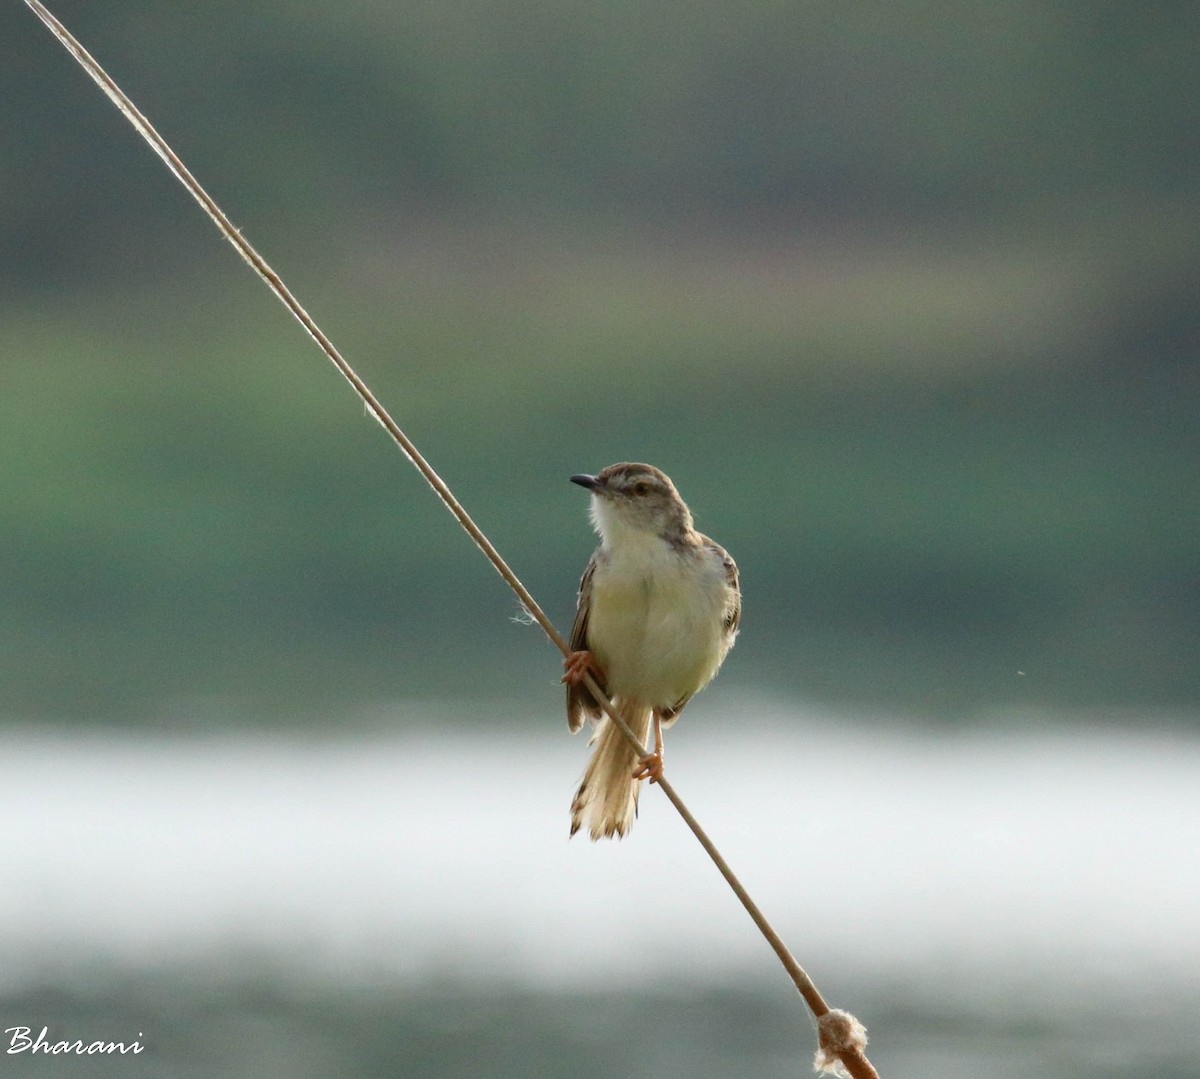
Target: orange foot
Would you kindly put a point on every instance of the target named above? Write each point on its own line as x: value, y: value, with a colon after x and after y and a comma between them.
x: 578, y: 664
x: 650, y: 767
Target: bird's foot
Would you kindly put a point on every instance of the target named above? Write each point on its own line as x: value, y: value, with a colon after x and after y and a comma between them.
x: 650, y: 767
x: 579, y: 664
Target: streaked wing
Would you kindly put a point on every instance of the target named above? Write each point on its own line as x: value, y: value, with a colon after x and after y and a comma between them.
x: 733, y: 611
x: 580, y: 703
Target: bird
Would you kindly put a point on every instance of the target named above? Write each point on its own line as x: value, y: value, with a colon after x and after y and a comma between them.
x: 658, y: 609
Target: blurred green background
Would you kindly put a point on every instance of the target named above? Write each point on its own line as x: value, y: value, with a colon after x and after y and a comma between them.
x: 905, y: 297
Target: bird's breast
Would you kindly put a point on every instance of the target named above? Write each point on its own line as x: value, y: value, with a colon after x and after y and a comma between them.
x: 655, y: 623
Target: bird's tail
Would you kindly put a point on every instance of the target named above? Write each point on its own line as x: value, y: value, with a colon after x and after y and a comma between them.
x: 606, y: 801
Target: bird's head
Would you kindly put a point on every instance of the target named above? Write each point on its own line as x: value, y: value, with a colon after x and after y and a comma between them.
x: 635, y: 497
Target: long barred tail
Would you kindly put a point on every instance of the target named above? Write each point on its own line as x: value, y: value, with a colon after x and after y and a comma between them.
x: 606, y: 801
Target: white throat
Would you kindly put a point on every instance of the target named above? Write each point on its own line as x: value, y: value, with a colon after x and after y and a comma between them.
x: 616, y: 532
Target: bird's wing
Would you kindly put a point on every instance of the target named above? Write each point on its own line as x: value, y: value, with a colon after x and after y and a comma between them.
x: 732, y: 615
x: 580, y: 703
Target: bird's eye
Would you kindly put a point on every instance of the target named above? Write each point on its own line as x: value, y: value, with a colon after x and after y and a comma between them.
x: 641, y: 488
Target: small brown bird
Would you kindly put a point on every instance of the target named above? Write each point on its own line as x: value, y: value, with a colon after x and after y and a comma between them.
x: 659, y: 607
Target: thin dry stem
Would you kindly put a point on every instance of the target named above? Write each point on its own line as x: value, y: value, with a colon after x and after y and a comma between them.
x: 855, y: 1062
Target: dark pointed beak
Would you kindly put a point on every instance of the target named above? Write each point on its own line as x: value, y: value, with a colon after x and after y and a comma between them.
x: 590, y: 482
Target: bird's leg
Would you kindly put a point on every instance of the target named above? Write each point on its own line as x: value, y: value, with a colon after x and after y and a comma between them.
x: 578, y: 664
x: 651, y: 765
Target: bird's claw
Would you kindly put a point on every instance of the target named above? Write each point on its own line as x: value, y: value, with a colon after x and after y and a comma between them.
x: 650, y: 767
x: 578, y: 665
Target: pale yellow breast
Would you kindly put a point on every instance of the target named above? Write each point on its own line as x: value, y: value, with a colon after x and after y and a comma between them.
x: 655, y: 623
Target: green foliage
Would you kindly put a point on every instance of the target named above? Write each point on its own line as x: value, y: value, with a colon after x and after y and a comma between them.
x: 299, y: 112
x: 897, y: 295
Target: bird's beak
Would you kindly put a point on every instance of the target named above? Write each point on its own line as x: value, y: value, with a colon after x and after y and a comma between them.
x: 590, y: 482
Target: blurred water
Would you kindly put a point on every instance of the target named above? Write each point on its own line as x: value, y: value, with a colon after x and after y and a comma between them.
x: 1049, y: 875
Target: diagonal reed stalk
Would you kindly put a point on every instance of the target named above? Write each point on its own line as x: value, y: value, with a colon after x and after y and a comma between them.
x: 842, y: 1038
